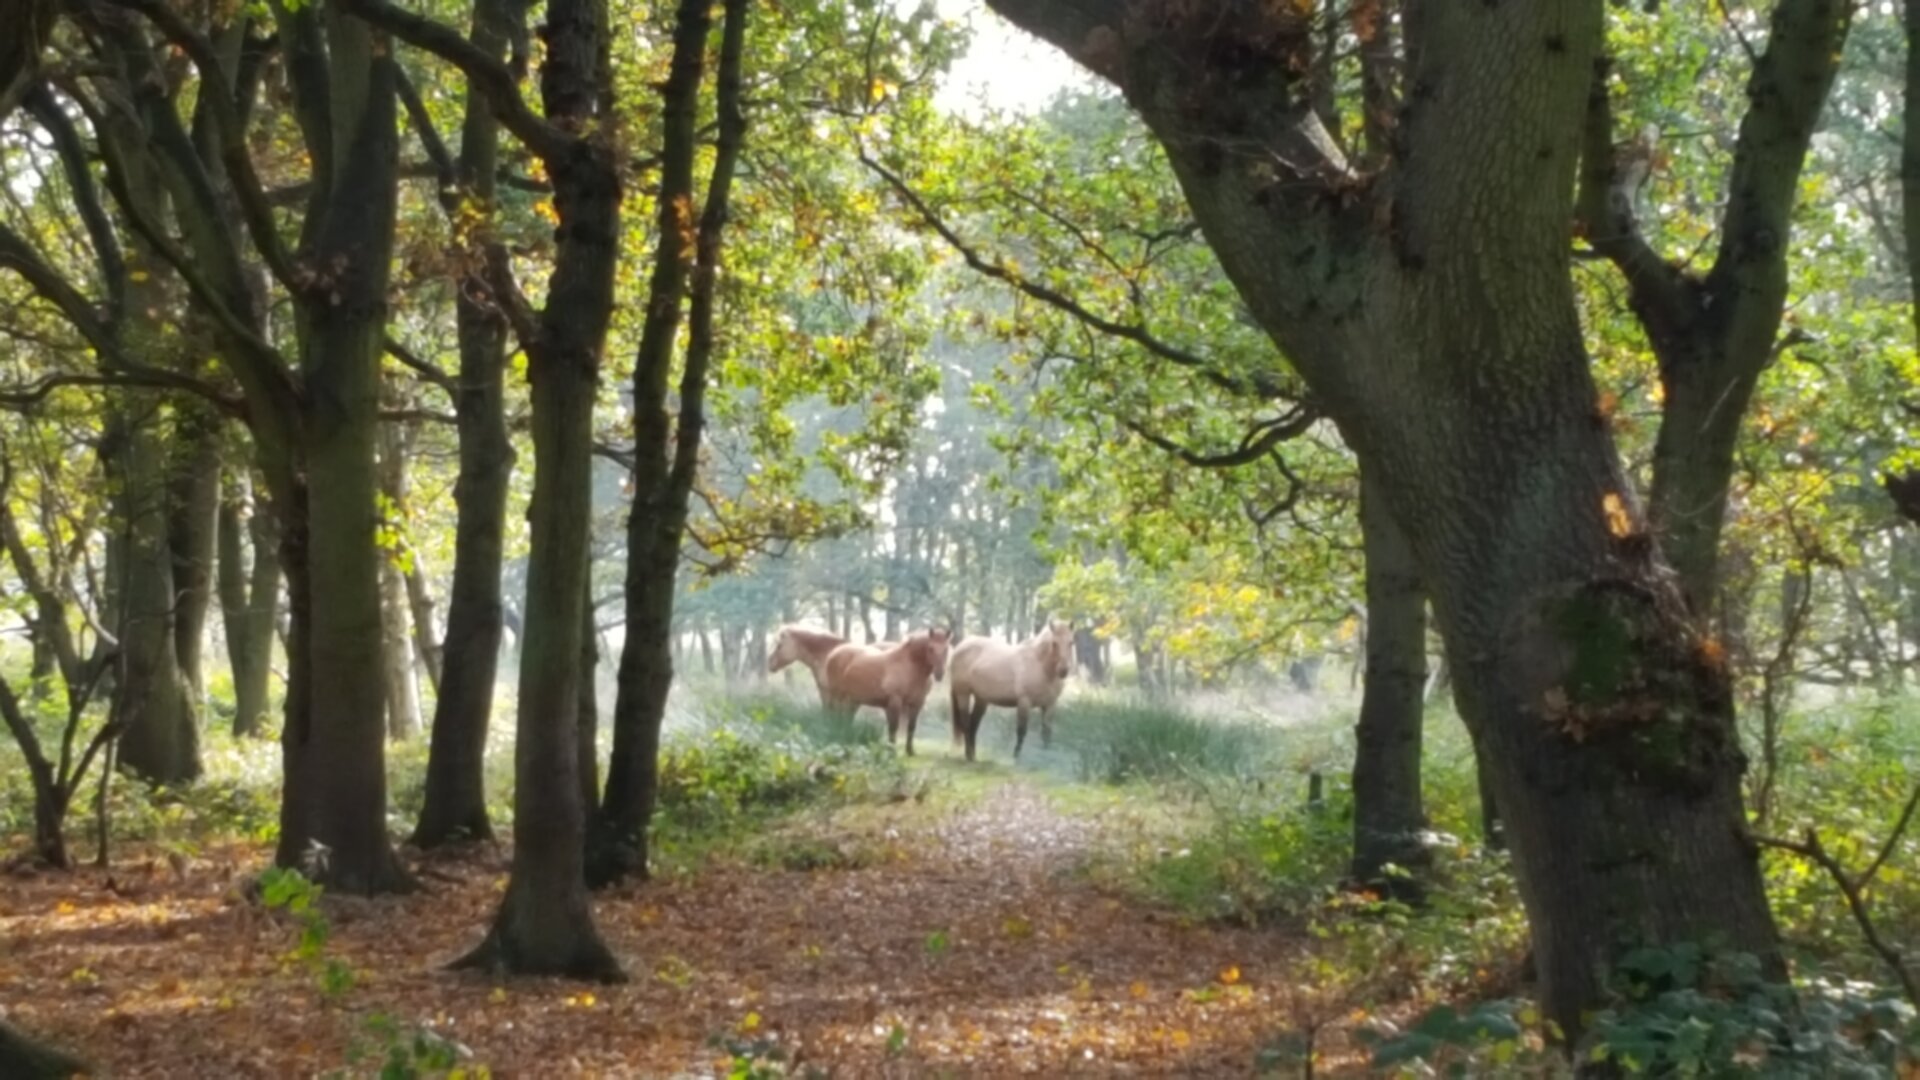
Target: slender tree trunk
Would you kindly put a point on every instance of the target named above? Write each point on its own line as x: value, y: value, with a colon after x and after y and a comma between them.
x: 191, y: 533
x: 1388, y: 815
x: 421, y: 606
x: 545, y: 923
x: 1092, y: 655
x: 456, y: 804
x: 663, y: 481
x: 396, y: 641
x: 249, y: 599
x: 589, y: 737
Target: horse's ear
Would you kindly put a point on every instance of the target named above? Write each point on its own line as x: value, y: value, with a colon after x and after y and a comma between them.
x: 940, y: 633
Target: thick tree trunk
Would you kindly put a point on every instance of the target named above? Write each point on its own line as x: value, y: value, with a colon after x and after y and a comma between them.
x: 1388, y: 816
x: 456, y: 804
x: 334, y: 746
x: 24, y: 1058
x: 1433, y: 316
x: 191, y: 533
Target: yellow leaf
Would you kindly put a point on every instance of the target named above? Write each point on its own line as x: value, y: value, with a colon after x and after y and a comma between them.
x: 1138, y: 989
x: 750, y: 1021
x: 138, y: 275
x: 1181, y: 1038
x: 1619, y: 523
x: 499, y: 995
x: 1230, y: 976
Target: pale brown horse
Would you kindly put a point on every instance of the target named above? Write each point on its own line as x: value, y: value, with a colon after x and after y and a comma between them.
x: 895, y: 677
x: 797, y: 644
x: 1026, y: 676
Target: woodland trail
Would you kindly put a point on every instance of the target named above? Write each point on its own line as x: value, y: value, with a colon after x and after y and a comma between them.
x: 959, y: 942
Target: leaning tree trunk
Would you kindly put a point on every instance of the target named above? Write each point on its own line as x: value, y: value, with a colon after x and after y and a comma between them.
x: 456, y: 801
x: 1388, y: 816
x: 1430, y: 308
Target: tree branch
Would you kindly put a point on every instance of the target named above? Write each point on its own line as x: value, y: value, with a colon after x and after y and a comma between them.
x: 1254, y: 445
x: 425, y: 368
x: 1136, y: 333
x: 1853, y: 888
x: 491, y: 77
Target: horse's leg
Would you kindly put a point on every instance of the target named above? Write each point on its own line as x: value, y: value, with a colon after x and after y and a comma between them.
x: 912, y: 718
x: 1020, y: 727
x: 957, y: 714
x: 1046, y: 726
x: 893, y: 720
x: 976, y: 713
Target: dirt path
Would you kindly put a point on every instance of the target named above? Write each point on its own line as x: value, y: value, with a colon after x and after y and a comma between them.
x: 966, y: 945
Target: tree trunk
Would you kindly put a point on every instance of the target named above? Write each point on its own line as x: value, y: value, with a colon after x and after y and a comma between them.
x: 456, y: 803
x: 589, y: 714
x: 160, y: 735
x: 192, y: 529
x: 24, y: 1058
x: 663, y: 481
x: 1092, y: 655
x: 248, y: 602
x: 396, y: 641
x: 545, y: 923
x: 421, y: 606
x: 1388, y: 816
x: 334, y: 745
x: 1434, y: 317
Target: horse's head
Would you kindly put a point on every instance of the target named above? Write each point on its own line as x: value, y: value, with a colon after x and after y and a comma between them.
x: 938, y: 640
x: 784, y: 651
x: 1060, y: 642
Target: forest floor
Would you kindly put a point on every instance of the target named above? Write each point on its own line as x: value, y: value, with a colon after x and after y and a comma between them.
x: 950, y: 933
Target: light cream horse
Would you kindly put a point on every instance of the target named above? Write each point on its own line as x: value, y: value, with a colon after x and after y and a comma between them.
x: 1022, y: 677
x: 797, y: 644
x: 895, y: 677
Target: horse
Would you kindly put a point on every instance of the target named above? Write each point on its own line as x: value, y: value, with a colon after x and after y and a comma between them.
x: 797, y: 644
x: 895, y: 677
x: 1024, y: 676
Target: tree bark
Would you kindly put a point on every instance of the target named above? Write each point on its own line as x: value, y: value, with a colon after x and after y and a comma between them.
x: 1388, y: 815
x: 1433, y: 317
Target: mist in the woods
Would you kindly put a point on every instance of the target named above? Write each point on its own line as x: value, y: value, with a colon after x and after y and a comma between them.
x: 864, y: 538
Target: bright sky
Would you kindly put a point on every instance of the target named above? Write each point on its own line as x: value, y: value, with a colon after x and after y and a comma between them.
x: 1004, y: 68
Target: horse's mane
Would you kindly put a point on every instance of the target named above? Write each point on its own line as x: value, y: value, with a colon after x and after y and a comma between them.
x: 812, y: 638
